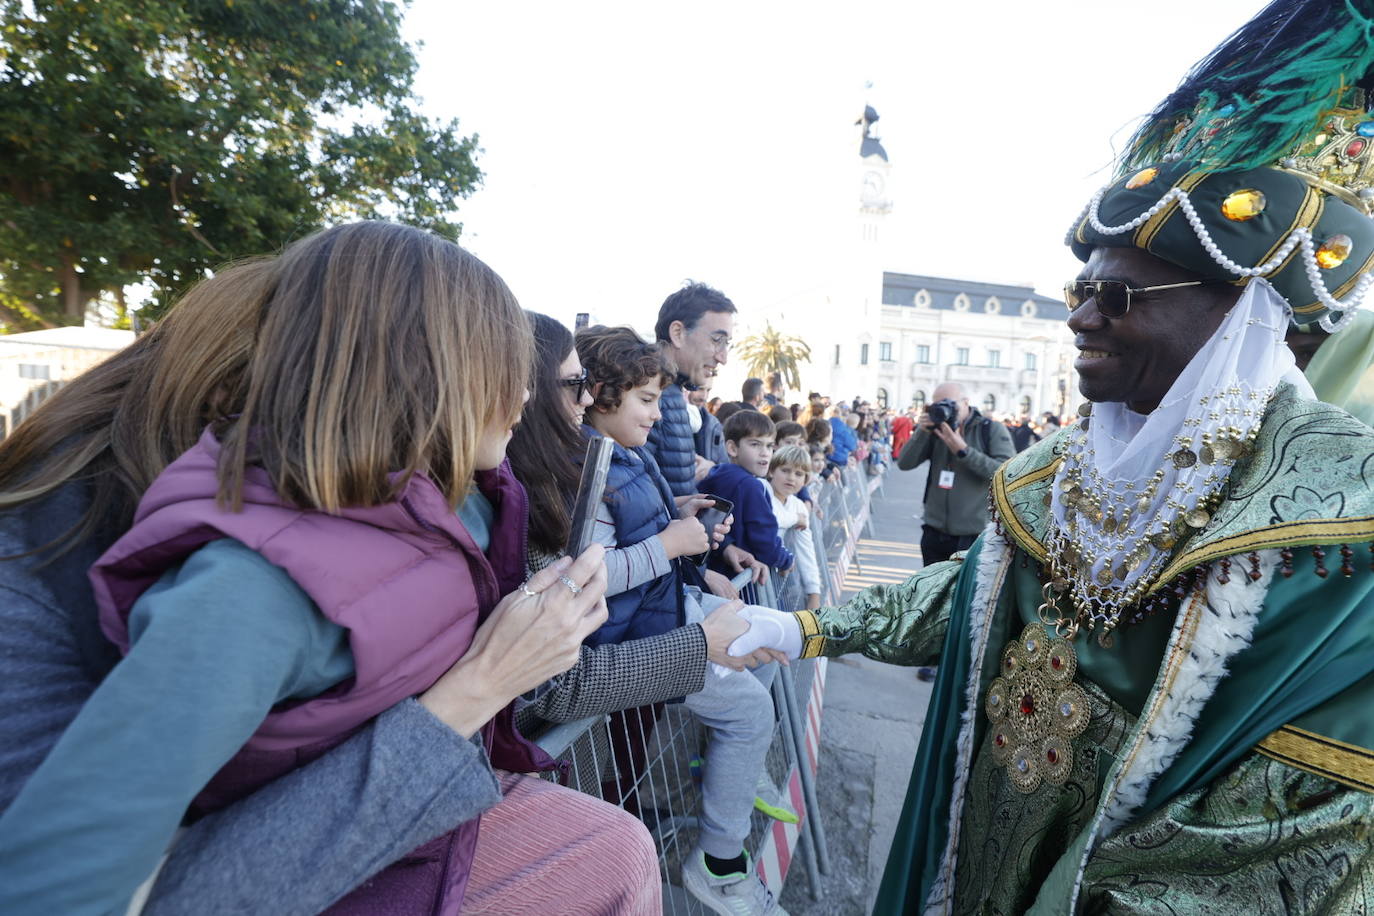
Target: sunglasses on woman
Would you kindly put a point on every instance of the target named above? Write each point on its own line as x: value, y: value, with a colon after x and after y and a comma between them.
x: 579, y: 383
x: 1113, y: 297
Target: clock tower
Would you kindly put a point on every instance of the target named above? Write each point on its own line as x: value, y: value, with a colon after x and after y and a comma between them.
x: 874, y: 168
x: 855, y: 367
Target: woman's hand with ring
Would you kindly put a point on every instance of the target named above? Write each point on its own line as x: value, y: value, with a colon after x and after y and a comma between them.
x: 523, y: 642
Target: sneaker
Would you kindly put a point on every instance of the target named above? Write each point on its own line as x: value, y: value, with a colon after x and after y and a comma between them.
x: 770, y: 800
x: 740, y: 894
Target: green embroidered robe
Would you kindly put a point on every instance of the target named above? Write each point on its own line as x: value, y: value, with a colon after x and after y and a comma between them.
x: 1227, y: 763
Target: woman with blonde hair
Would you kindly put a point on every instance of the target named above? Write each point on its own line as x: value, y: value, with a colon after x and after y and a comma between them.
x: 308, y: 554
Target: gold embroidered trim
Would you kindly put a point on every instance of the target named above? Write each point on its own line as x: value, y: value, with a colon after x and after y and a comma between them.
x: 1000, y: 494
x: 1026, y: 480
x: 1146, y: 233
x: 1309, y: 212
x: 1347, y: 764
x: 1305, y: 533
x: 1339, y: 291
x: 812, y: 640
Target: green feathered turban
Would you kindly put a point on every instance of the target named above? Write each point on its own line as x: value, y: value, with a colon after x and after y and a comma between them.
x: 1200, y: 220
x: 1261, y: 163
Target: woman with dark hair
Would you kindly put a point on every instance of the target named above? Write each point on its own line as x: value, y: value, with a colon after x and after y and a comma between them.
x: 544, y: 453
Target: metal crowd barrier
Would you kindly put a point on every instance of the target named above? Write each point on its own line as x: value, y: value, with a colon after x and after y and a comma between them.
x: 648, y: 760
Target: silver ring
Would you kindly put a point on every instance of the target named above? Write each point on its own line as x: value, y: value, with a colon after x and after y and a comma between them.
x: 572, y: 586
x: 525, y: 587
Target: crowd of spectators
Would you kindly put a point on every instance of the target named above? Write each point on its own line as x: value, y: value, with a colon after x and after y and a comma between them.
x: 287, y: 590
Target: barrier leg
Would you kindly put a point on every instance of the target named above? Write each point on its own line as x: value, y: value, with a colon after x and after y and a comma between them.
x: 791, y: 737
x: 814, y: 827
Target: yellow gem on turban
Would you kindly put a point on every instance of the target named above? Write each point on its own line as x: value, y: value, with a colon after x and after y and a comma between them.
x: 1141, y: 178
x: 1334, y: 251
x: 1243, y: 205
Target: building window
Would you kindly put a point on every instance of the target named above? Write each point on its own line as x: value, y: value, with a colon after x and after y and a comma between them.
x: 34, y: 370
x: 837, y: 354
x: 989, y: 404
x: 882, y: 398
x: 1030, y: 360
x: 885, y: 351
x: 961, y: 356
x: 1025, y: 405
x: 994, y: 358
x: 922, y: 353
x: 918, y: 400
x: 863, y: 354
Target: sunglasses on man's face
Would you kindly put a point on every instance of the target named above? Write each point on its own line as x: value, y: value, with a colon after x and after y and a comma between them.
x: 578, y: 383
x: 1113, y: 297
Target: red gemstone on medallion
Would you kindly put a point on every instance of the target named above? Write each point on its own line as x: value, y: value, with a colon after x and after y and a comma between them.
x: 1354, y: 147
x: 1028, y: 705
x: 1052, y: 755
x: 1056, y: 662
x: 1000, y: 740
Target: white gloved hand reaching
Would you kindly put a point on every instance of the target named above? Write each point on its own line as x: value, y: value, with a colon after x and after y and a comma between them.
x: 768, y: 628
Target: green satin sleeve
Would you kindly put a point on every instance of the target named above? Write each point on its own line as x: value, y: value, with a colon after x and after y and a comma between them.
x: 1263, y: 838
x: 902, y: 624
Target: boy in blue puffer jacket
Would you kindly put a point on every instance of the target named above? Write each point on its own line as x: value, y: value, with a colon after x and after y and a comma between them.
x: 647, y: 551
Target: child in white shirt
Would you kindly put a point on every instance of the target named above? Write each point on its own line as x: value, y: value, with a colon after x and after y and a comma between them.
x: 787, y: 473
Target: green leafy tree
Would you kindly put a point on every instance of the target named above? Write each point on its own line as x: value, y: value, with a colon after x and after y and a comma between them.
x: 153, y: 140
x: 770, y: 351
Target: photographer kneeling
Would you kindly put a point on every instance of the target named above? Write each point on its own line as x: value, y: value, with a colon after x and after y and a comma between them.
x: 964, y: 448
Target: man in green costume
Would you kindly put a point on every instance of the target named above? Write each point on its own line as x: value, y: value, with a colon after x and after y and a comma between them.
x: 1156, y: 681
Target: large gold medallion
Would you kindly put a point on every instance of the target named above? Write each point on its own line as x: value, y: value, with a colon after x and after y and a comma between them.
x: 1035, y: 710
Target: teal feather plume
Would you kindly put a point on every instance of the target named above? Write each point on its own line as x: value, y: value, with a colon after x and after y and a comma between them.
x: 1265, y: 89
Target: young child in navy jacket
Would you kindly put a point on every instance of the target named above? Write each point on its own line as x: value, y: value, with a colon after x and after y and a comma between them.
x: 749, y: 443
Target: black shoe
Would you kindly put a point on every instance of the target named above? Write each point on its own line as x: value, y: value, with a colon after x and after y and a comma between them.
x: 925, y: 674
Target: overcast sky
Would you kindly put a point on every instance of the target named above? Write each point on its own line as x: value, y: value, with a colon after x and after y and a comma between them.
x: 628, y: 146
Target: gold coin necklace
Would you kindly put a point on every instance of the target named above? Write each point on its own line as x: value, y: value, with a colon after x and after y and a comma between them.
x: 1034, y: 708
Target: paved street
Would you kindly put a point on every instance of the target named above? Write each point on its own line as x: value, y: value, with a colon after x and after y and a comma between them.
x: 870, y: 727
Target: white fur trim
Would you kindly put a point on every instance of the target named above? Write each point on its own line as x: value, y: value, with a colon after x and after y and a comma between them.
x: 1225, y: 624
x: 994, y: 561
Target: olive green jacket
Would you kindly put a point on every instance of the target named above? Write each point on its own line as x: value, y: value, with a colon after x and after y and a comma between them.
x: 962, y: 509
x: 1229, y: 764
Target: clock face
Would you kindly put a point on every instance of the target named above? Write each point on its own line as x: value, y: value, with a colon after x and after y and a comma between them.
x: 873, y: 186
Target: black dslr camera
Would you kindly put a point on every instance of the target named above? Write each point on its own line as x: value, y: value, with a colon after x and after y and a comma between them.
x: 943, y: 411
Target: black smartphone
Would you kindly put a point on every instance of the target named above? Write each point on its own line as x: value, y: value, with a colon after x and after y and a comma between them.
x: 710, y: 518
x: 590, y: 489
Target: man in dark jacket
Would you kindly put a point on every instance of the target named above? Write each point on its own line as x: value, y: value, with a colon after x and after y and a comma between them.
x: 962, y: 457
x: 693, y: 329
x: 1023, y: 434
x: 709, y: 438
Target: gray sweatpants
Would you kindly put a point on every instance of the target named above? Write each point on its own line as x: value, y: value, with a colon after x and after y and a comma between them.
x: 738, y: 709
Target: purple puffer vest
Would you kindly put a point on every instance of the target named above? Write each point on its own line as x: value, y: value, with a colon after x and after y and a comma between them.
x: 407, y: 581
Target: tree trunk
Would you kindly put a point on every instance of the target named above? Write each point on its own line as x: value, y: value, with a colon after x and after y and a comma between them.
x: 73, y: 306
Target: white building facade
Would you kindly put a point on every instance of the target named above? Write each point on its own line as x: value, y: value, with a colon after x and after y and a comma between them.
x: 1010, y: 347
x: 36, y: 363
x: 891, y: 338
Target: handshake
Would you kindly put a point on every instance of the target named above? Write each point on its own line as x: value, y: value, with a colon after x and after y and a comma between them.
x: 768, y: 629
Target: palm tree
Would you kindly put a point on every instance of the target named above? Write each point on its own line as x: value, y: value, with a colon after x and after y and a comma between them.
x: 770, y: 351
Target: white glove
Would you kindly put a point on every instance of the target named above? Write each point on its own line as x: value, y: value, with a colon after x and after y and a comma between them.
x: 768, y: 628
